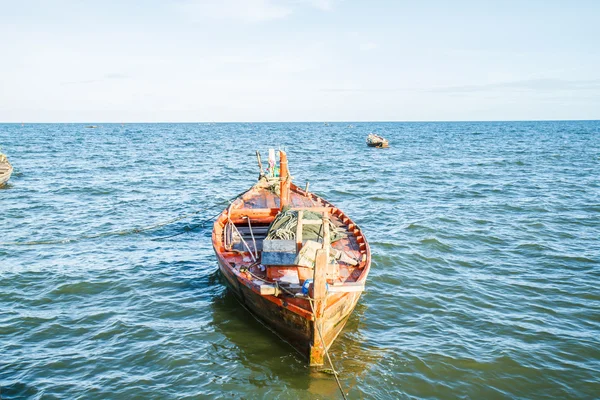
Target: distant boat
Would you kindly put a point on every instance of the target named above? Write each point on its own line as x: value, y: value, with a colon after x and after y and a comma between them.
x: 294, y: 261
x: 92, y: 126
x: 376, y: 141
x: 5, y: 169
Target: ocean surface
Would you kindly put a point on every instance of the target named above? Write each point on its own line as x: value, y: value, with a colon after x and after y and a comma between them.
x: 485, y: 281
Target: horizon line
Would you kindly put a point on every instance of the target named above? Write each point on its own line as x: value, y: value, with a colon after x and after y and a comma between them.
x: 298, y: 122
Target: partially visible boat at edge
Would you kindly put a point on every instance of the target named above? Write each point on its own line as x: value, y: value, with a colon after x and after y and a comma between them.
x: 376, y: 141
x: 5, y: 169
x: 295, y: 261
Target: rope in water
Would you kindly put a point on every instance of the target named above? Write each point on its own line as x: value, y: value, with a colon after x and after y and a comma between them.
x: 310, y: 300
x: 335, y: 374
x: 129, y: 231
x: 188, y: 229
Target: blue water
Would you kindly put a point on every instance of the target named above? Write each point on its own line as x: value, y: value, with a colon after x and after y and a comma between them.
x: 485, y: 277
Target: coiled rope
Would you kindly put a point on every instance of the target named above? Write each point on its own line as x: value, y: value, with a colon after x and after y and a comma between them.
x: 131, y: 231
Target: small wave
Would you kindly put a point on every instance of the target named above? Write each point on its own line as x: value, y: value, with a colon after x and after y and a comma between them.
x: 436, y: 244
x: 86, y: 288
x: 419, y: 227
x: 378, y: 199
x: 535, y: 247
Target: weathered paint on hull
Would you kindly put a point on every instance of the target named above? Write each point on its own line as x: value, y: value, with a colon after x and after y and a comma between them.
x: 331, y: 323
x: 289, y: 326
x: 5, y: 176
x: 291, y: 317
x: 378, y: 145
x: 292, y: 328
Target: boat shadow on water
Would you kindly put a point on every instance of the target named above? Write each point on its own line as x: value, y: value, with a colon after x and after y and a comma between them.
x: 260, y: 349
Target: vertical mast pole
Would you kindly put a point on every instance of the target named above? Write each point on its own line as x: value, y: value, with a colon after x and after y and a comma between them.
x: 319, y: 294
x: 284, y: 181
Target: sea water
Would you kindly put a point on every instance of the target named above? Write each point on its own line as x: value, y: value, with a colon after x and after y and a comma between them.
x: 485, y: 239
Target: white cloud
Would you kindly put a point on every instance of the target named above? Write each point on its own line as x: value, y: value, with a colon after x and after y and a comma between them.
x: 366, y: 46
x: 325, y: 5
x: 359, y: 39
x: 251, y: 11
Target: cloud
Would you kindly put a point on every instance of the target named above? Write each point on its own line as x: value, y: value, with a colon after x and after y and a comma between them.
x: 251, y: 11
x: 116, y: 75
x: 366, y: 46
x: 549, y: 85
x: 365, y: 90
x: 530, y: 85
x: 108, y: 76
x: 82, y: 82
x: 325, y: 5
x: 362, y: 41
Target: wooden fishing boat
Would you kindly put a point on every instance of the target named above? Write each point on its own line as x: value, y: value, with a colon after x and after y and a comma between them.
x: 376, y: 141
x: 5, y: 169
x: 295, y: 261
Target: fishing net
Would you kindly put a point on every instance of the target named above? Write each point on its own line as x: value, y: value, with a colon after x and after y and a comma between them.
x: 285, y: 224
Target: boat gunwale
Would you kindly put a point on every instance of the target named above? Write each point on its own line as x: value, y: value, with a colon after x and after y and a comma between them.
x: 247, y: 287
x: 367, y: 250
x: 241, y: 278
x: 5, y: 175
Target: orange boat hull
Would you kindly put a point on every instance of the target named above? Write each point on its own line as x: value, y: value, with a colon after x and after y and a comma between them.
x: 310, y: 325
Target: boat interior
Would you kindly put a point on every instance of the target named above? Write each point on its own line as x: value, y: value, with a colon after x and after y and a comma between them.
x: 246, y: 245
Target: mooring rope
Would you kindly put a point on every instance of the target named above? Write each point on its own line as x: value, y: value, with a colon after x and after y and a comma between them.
x: 131, y: 231
x: 310, y: 301
x: 103, y: 234
x: 335, y: 374
x: 188, y: 229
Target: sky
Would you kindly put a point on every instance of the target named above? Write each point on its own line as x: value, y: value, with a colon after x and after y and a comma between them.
x: 298, y: 60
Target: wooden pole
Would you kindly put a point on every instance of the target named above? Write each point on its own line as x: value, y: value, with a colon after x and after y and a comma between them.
x: 326, y: 236
x: 319, y: 292
x: 299, y: 230
x: 319, y: 281
x: 284, y: 180
x: 260, y: 167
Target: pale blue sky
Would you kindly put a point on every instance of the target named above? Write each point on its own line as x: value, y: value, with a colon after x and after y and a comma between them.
x: 298, y: 60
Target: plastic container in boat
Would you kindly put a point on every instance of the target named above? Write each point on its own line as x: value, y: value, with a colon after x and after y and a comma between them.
x: 306, y: 285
